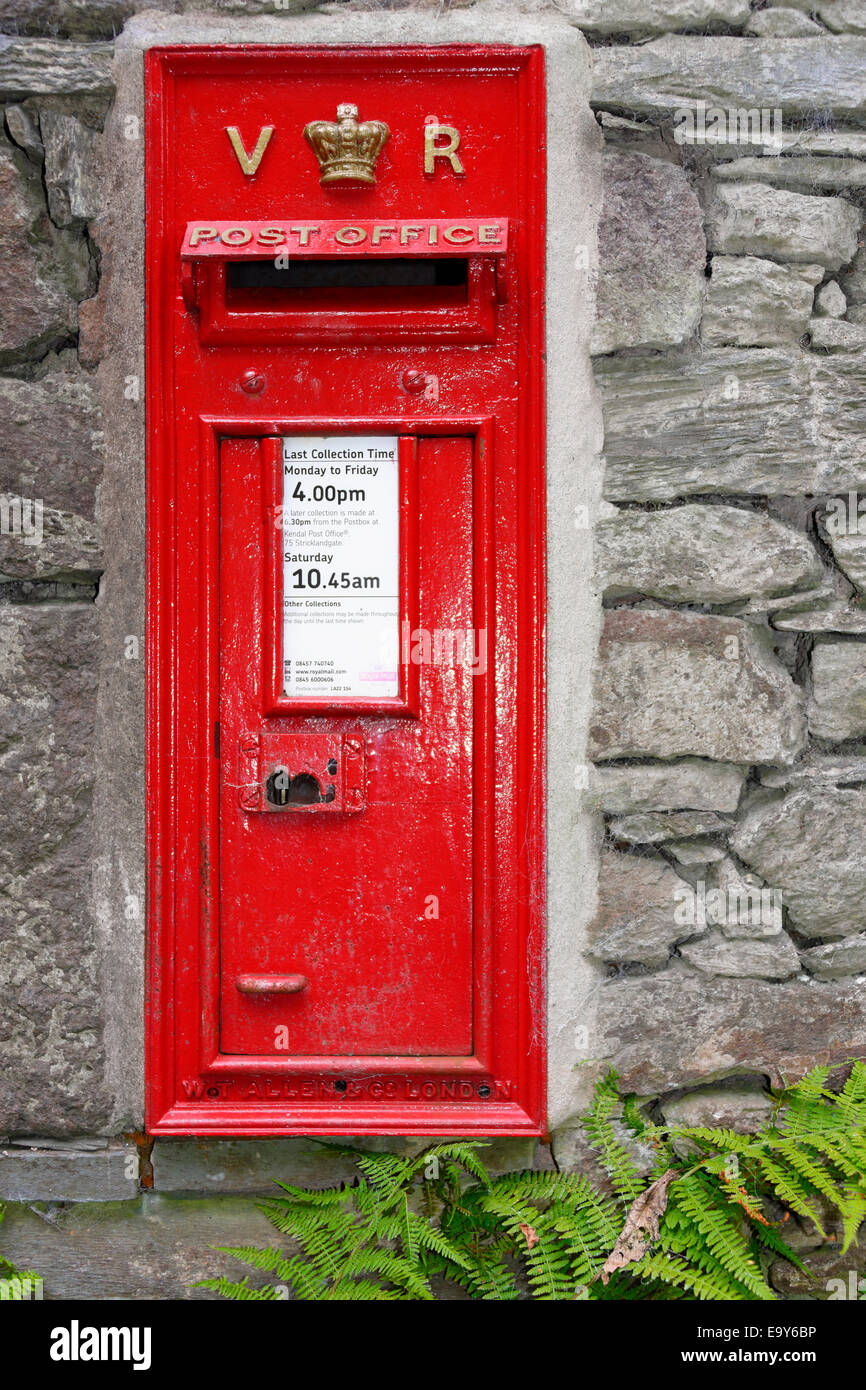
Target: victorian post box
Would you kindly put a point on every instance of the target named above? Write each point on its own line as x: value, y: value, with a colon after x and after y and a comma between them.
x: 345, y: 590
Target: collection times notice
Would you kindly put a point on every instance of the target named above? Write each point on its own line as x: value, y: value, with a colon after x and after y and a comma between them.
x: 340, y: 521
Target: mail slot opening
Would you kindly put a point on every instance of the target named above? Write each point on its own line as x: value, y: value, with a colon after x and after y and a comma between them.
x: 353, y: 282
x: 345, y: 271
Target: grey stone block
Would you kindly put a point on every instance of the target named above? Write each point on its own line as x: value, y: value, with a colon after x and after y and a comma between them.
x: 809, y: 845
x: 244, y: 1166
x: 63, y: 465
x: 843, y: 16
x: 653, y: 828
x: 75, y: 19
x: 818, y: 769
x: 853, y: 280
x: 102, y: 19
x: 757, y: 220
x: 41, y: 66
x: 775, y: 140
x: 57, y: 547
x: 849, y: 552
x: 155, y: 1247
x: 834, y: 617
x: 78, y: 1143
x: 52, y: 1175
x: 637, y: 911
x: 43, y: 271
x: 24, y: 129
x: 774, y: 421
x: 830, y: 1275
x: 741, y: 904
x: 716, y: 954
x: 753, y: 302
x: 702, y: 554
x: 72, y: 154
x: 692, y: 854
x: 253, y: 1165
x: 782, y: 23
x: 673, y: 1030
x: 652, y: 256
x: 837, y: 706
x: 741, y: 1108
x: 50, y: 1008
x: 793, y: 75
x: 692, y: 784
x: 804, y: 172
x: 836, y: 335
x: 830, y: 301
x: 640, y: 17
x: 670, y: 684
x: 836, y: 958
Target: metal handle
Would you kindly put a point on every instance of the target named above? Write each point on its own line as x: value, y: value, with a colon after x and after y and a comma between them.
x: 271, y: 984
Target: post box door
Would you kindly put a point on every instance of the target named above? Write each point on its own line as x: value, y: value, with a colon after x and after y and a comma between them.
x: 346, y: 931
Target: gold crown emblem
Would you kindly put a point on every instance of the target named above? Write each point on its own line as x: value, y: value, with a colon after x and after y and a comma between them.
x: 347, y: 151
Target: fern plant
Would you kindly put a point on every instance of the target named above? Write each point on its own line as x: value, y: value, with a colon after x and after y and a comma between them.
x: 11, y: 1275
x: 703, y: 1224
x: 368, y: 1241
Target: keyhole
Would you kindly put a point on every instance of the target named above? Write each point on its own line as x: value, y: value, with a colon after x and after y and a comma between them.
x: 301, y: 790
x: 304, y: 790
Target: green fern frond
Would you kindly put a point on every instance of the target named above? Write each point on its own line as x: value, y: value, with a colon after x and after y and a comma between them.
x: 696, y: 1282
x: 311, y: 1196
x: 724, y: 1141
x: 787, y: 1184
x: 620, y: 1167
x: 633, y: 1120
x: 462, y: 1153
x: 721, y: 1226
x: 769, y: 1237
x: 239, y: 1291
x: 853, y: 1093
x: 809, y: 1167
x: 272, y: 1260
x: 361, y: 1291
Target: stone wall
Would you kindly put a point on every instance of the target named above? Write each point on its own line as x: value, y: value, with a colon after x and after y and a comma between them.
x: 726, y: 764
x: 730, y: 691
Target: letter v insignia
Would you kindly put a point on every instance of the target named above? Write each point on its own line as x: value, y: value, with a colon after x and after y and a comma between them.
x: 249, y: 162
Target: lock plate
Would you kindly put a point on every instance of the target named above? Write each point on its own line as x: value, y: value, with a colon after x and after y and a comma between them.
x: 302, y: 774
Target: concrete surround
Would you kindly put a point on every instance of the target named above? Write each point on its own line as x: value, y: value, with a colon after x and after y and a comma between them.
x: 573, y: 491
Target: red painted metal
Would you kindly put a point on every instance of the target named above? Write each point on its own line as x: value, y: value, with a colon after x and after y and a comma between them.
x: 345, y: 895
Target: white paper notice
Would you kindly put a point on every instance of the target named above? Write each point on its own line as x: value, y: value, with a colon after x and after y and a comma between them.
x: 341, y: 514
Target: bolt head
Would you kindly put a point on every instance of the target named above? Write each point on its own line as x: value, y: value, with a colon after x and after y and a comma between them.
x: 414, y: 380
x: 252, y: 382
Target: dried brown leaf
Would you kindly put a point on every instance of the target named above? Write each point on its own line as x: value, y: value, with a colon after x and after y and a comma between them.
x: 641, y: 1225
x: 530, y: 1235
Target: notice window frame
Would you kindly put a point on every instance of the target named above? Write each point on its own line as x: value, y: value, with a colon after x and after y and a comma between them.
x: 405, y: 703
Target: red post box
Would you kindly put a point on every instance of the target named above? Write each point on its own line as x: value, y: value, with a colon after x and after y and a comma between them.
x: 346, y: 561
